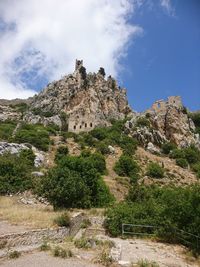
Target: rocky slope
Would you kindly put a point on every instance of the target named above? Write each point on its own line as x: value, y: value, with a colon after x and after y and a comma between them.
x: 80, y: 101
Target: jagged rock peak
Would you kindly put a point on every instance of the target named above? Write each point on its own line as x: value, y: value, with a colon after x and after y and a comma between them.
x: 87, y: 100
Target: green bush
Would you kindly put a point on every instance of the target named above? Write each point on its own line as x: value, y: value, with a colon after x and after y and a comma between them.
x: 102, y: 147
x: 15, y: 172
x: 36, y: 135
x: 61, y: 152
x: 63, y: 220
x: 142, y: 121
x: 76, y: 182
x: 126, y: 166
x: 6, y: 130
x: 168, y: 147
x: 167, y: 208
x: 196, y: 168
x: 155, y: 170
x: 177, y: 153
x: 182, y: 163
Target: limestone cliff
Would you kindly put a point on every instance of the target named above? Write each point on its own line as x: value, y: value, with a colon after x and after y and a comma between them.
x: 85, y: 100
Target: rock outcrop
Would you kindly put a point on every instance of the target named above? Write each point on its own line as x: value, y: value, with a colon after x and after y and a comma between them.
x: 82, y: 101
x: 167, y: 121
x: 14, y: 148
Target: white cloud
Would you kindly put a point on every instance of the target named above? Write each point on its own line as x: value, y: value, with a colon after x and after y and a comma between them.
x: 167, y: 6
x: 42, y: 38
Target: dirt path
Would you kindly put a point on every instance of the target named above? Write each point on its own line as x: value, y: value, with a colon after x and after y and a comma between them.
x: 7, y: 228
x: 41, y: 259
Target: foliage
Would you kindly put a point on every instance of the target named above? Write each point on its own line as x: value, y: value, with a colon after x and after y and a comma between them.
x: 167, y: 208
x: 6, y: 130
x: 63, y: 220
x: 155, y: 170
x: 143, y: 121
x: 187, y: 156
x: 126, y: 166
x: 195, y: 116
x: 113, y: 135
x: 76, y: 182
x: 16, y: 177
x: 168, y: 147
x: 20, y: 107
x: 14, y: 254
x: 40, y: 112
x: 61, y: 252
x: 36, y: 135
x: 61, y: 151
x: 182, y: 162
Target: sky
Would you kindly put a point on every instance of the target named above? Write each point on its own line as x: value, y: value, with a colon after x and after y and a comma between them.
x: 152, y: 47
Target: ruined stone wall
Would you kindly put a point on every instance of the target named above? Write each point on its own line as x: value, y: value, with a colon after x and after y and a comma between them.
x: 37, y: 237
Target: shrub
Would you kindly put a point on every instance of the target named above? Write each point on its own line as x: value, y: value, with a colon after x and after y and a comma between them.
x: 168, y: 147
x: 14, y: 254
x: 192, y: 154
x: 182, y: 163
x: 82, y: 243
x: 16, y: 177
x: 63, y: 220
x: 36, y: 135
x: 177, y: 154
x: 61, y: 152
x: 76, y: 182
x: 167, y: 208
x: 61, y: 252
x: 155, y: 170
x: 102, y: 147
x: 126, y: 166
x: 196, y: 168
x: 45, y: 247
x: 142, y: 121
x: 6, y: 130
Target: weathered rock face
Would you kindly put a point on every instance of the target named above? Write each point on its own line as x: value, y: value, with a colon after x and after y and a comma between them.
x: 14, y: 148
x: 8, y: 113
x: 168, y: 122
x: 87, y: 100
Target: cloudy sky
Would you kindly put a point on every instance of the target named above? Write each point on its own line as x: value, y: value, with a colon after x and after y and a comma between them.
x: 150, y: 46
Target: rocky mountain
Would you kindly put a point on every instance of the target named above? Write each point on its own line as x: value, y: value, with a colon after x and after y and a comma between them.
x: 81, y: 101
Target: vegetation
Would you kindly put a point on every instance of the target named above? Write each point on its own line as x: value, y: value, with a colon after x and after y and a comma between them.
x: 36, y: 135
x: 61, y: 151
x: 14, y: 254
x: 195, y: 116
x: 170, y: 209
x: 187, y: 156
x: 155, y: 170
x: 6, y: 130
x: 126, y: 166
x: 101, y: 137
x: 16, y: 177
x: 62, y: 220
x: 61, y: 252
x: 146, y: 263
x: 76, y: 182
x: 168, y: 147
x: 143, y: 121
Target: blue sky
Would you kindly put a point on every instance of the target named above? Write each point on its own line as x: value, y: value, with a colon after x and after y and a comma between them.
x: 165, y: 60
x: 151, y: 46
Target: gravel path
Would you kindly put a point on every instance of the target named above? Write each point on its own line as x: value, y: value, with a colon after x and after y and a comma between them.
x: 42, y: 259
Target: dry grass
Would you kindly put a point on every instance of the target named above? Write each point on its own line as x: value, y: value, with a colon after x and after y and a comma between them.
x: 38, y: 216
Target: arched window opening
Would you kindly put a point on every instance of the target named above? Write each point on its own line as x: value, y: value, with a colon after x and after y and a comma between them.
x: 85, y: 125
x: 90, y: 124
x: 74, y: 127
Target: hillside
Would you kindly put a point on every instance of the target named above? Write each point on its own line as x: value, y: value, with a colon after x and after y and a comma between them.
x: 78, y: 146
